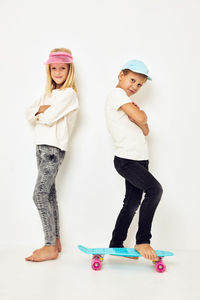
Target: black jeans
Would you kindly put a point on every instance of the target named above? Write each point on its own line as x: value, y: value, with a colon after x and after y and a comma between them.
x: 138, y: 180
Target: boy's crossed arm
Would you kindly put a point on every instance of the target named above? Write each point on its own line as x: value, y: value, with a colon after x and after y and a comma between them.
x: 145, y: 129
x: 136, y: 116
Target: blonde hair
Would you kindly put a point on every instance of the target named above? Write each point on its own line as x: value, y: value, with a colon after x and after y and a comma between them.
x: 70, y: 80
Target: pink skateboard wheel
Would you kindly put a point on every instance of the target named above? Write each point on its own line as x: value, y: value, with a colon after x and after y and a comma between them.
x: 160, y: 266
x: 96, y: 262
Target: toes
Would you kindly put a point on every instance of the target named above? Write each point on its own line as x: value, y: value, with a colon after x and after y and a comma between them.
x: 149, y: 256
x: 34, y: 259
x: 152, y: 256
x: 29, y: 258
x: 147, y: 252
x: 38, y: 259
x: 155, y: 257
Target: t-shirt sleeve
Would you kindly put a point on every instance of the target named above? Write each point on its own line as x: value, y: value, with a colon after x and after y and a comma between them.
x: 66, y: 103
x: 118, y: 98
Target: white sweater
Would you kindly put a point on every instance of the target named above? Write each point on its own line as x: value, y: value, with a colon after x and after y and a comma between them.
x: 54, y: 126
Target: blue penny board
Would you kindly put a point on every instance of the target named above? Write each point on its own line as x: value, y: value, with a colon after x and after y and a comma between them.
x: 120, y: 251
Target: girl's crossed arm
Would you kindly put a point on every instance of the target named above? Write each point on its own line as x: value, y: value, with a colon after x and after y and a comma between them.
x: 67, y: 103
x: 42, y: 109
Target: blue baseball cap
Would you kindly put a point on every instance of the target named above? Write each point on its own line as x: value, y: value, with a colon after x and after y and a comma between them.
x: 137, y: 66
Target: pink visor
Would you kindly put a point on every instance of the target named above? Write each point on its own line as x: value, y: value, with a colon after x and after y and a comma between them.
x: 59, y: 57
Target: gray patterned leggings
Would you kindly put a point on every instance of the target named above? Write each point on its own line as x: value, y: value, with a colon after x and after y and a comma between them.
x: 49, y: 159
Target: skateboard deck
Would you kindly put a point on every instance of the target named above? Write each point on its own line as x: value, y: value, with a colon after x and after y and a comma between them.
x: 98, y: 254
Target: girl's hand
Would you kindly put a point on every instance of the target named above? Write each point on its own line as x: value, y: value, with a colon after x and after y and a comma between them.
x: 42, y: 109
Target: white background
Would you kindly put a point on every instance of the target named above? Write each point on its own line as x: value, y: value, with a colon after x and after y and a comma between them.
x: 102, y: 35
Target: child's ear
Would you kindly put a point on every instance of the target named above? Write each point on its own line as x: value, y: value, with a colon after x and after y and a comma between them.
x: 121, y: 75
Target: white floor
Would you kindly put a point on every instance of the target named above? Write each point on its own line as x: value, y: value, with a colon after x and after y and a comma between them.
x: 70, y: 277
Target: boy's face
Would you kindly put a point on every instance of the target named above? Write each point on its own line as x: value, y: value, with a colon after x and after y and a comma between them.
x: 131, y: 82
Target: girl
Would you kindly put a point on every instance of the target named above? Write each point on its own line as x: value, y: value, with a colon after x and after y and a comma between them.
x: 53, y: 117
x: 128, y: 127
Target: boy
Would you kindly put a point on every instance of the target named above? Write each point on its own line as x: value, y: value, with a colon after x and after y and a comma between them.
x: 128, y: 127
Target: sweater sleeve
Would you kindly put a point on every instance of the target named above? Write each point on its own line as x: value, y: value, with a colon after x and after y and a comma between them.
x: 31, y: 111
x: 66, y: 103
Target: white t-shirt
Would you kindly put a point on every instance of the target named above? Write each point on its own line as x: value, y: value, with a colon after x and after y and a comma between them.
x: 129, y: 140
x: 54, y: 126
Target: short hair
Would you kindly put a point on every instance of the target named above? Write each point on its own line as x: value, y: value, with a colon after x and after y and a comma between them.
x: 70, y: 80
x: 127, y: 71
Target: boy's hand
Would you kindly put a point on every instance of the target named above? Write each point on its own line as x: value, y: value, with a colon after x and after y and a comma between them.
x: 133, y: 111
x: 144, y: 127
x: 135, y: 104
x: 131, y: 119
x: 42, y: 109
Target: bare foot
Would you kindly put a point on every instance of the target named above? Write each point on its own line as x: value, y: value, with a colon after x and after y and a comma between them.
x: 58, y: 245
x: 44, y: 253
x: 146, y: 251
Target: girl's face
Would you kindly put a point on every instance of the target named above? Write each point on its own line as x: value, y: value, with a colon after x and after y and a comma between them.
x: 131, y: 82
x: 59, y: 72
